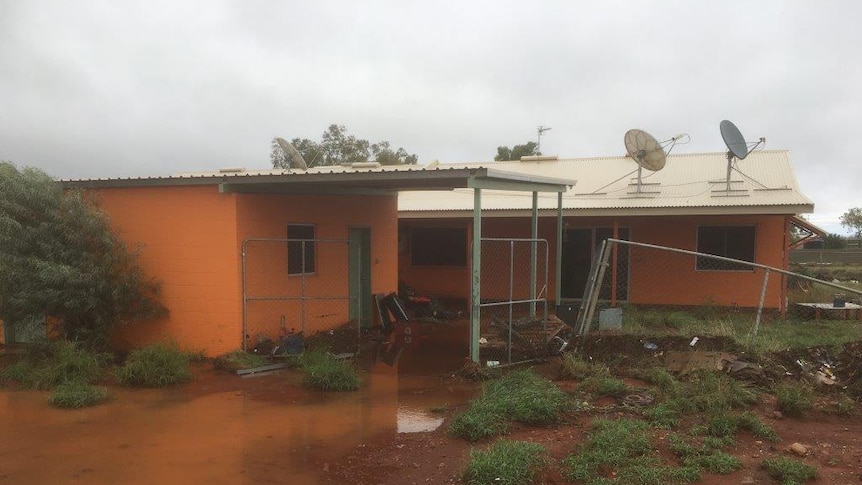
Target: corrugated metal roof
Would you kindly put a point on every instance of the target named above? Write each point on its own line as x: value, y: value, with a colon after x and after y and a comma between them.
x: 765, y: 179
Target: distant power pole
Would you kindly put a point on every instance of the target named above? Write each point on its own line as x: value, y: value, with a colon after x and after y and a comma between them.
x: 541, y: 129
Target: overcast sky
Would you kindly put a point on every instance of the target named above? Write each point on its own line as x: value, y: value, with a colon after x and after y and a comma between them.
x: 114, y: 88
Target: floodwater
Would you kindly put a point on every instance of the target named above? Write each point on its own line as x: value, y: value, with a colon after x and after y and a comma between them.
x: 219, y: 428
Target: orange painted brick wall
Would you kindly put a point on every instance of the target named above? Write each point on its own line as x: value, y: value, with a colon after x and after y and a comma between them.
x: 656, y: 278
x: 267, y: 216
x: 188, y: 241
x: 191, y: 239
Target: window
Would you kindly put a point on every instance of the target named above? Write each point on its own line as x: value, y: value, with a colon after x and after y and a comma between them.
x: 735, y: 242
x: 300, y: 249
x: 438, y: 246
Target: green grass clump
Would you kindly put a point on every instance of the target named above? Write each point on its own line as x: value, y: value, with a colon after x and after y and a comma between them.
x: 506, y: 462
x: 611, y: 444
x: 845, y: 406
x: 663, y: 416
x: 789, y: 471
x: 520, y: 396
x: 157, y: 365
x: 73, y: 395
x: 240, y: 359
x: 324, y: 372
x: 794, y: 399
x: 575, y: 367
x: 756, y: 427
x: 52, y: 363
x: 605, y: 386
x: 721, y: 425
x: 719, y: 462
x: 661, y: 378
x: 711, y: 392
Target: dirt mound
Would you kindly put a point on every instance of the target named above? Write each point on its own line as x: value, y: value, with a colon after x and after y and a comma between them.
x: 622, y: 349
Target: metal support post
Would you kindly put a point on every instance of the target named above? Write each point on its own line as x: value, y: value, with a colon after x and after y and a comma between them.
x: 534, y: 234
x: 475, y: 296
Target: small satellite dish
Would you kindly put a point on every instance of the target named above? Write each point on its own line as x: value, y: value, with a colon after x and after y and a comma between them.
x: 293, y: 156
x: 645, y: 150
x: 734, y: 140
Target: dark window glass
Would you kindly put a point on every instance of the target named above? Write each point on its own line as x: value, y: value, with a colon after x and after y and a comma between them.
x: 735, y: 242
x: 438, y: 246
x: 300, y: 249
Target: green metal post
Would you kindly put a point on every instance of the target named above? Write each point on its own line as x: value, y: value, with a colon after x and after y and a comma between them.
x: 534, y: 234
x: 475, y: 296
x: 558, y: 265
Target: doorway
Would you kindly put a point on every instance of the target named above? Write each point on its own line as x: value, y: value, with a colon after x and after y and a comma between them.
x: 579, y: 248
x: 359, y: 274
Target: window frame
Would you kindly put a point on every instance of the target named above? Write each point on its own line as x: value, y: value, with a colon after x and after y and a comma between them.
x: 700, y: 261
x: 458, y: 261
x: 294, y: 246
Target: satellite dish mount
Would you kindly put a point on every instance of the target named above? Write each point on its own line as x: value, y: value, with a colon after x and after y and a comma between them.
x: 293, y: 156
x: 736, y: 146
x: 648, y: 152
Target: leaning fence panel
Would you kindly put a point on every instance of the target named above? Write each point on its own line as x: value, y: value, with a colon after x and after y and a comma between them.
x: 296, y: 291
x: 515, y: 323
x: 663, y: 289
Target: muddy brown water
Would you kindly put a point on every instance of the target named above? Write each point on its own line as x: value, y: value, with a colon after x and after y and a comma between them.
x: 219, y: 428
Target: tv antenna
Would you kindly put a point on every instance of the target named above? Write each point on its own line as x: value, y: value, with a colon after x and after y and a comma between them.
x: 540, y: 130
x: 648, y: 152
x: 294, y: 158
x: 736, y: 145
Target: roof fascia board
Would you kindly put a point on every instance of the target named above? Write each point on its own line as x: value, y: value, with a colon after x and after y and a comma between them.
x: 660, y: 211
x: 489, y: 183
x: 228, y: 188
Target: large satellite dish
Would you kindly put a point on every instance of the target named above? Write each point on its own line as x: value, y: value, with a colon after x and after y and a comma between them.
x: 734, y: 140
x: 293, y: 156
x: 645, y: 150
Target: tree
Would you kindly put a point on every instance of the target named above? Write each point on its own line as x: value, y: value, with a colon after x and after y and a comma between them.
x: 337, y: 147
x: 60, y: 261
x: 516, y: 152
x: 852, y: 219
x: 834, y: 241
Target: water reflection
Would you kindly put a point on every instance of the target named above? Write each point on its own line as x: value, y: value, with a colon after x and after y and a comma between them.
x: 217, y: 429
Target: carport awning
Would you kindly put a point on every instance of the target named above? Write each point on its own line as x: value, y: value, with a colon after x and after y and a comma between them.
x: 376, y: 181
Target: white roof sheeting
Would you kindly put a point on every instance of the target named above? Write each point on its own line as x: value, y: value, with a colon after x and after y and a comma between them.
x: 689, y: 184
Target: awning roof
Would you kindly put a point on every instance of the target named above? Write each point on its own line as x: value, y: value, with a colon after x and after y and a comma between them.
x: 345, y: 181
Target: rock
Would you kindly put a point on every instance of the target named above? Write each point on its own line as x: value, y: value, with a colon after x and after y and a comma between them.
x: 799, y: 449
x: 777, y: 414
x: 747, y: 481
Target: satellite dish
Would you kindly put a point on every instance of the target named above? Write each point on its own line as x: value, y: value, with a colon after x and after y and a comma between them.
x: 645, y: 149
x: 734, y: 140
x: 294, y: 158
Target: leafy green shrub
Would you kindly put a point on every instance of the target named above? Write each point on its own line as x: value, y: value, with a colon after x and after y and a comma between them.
x: 73, y: 395
x: 324, y: 372
x: 789, y: 471
x: 794, y: 399
x: 506, y: 462
x: 157, y: 365
x: 520, y: 396
x: 52, y: 363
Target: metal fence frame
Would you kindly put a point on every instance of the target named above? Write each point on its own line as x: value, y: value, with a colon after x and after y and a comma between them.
x: 302, y: 297
x: 600, y: 264
x: 538, y: 297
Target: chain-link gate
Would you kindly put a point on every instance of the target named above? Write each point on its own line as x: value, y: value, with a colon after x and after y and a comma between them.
x: 663, y: 288
x: 514, y: 305
x: 298, y: 292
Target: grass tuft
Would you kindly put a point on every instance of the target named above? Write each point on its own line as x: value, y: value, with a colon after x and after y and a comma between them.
x: 239, y: 359
x: 789, y: 471
x: 756, y: 427
x: 520, y: 396
x: 157, y: 365
x: 575, y: 367
x: 506, y: 462
x: 324, y: 372
x: 52, y: 363
x: 75, y: 395
x: 794, y: 399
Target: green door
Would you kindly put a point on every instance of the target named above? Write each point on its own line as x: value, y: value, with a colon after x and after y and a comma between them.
x: 359, y: 274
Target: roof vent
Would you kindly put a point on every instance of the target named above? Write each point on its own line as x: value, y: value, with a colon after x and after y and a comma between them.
x: 231, y: 170
x: 539, y: 158
x: 365, y: 165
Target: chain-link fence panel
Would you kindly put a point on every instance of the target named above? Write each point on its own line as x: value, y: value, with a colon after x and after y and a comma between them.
x: 642, y: 287
x: 514, y: 309
x: 297, y: 291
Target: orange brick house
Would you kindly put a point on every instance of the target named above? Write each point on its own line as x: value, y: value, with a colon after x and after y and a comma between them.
x: 690, y: 204
x: 245, y: 252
